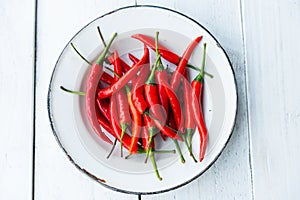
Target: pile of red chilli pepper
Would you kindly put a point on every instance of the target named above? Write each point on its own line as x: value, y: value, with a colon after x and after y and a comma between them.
x: 140, y: 102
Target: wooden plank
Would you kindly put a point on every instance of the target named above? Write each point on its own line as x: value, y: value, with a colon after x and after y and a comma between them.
x: 230, y: 176
x: 273, y: 49
x: 16, y: 95
x: 55, y: 176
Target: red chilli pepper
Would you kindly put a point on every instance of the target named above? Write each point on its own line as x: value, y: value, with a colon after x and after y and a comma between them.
x: 176, y: 77
x: 133, y: 59
x: 165, y: 52
x: 136, y: 126
x: 137, y: 96
x: 106, y: 92
x: 106, y: 78
x: 189, y: 124
x: 122, y: 105
x: 126, y: 140
x: 104, y: 123
x: 95, y: 73
x: 125, y: 66
x: 151, y: 96
x: 103, y: 107
x: 161, y: 77
x: 197, y: 87
x: 162, y: 80
x: 117, y: 66
x: 123, y: 111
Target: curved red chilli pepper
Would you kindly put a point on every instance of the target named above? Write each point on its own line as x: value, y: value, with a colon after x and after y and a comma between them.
x: 104, y: 123
x: 176, y: 77
x: 122, y: 105
x: 151, y: 97
x: 172, y: 122
x: 123, y: 110
x: 136, y: 125
x: 189, y: 123
x: 197, y: 87
x: 103, y: 107
x: 106, y: 92
x: 117, y: 66
x: 162, y: 77
x: 165, y: 52
x: 125, y: 66
x: 133, y: 59
x: 95, y: 73
x: 107, y: 126
x: 115, y: 124
x: 106, y: 78
x: 137, y: 96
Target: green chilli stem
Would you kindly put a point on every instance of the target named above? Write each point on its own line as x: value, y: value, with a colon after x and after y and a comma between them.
x: 123, y: 127
x: 179, y: 151
x: 154, y: 165
x: 80, y: 55
x: 104, y: 52
x: 187, y: 139
x: 112, y: 149
x: 151, y: 132
x: 154, y: 151
x: 199, y: 70
x: 101, y: 36
x: 72, y: 91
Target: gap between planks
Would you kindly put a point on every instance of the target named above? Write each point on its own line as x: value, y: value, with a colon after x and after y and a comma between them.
x: 246, y: 92
x: 34, y: 99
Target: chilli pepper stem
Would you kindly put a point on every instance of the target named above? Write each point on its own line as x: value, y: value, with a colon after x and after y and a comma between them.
x: 101, y: 36
x: 152, y: 73
x: 72, y: 91
x: 154, y: 165
x: 80, y: 55
x: 112, y: 149
x: 179, y: 151
x: 103, y: 54
x: 156, y: 44
x: 151, y: 130
x: 147, y: 113
x: 189, y: 133
x: 154, y: 151
x: 200, y: 76
x: 123, y: 127
x: 199, y: 70
x: 189, y: 147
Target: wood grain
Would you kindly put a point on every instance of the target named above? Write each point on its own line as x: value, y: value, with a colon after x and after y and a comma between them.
x: 55, y: 176
x: 273, y: 49
x: 16, y: 98
x: 230, y: 176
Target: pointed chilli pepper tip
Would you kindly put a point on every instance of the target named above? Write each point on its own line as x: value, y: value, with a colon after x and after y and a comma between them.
x: 198, y: 39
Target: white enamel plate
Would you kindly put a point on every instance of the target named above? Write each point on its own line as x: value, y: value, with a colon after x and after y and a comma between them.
x: 72, y: 128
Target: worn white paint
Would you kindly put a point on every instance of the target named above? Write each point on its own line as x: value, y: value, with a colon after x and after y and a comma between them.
x: 272, y: 30
x: 16, y: 102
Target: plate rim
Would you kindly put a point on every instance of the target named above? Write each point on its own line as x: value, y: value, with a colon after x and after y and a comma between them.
x: 84, y: 171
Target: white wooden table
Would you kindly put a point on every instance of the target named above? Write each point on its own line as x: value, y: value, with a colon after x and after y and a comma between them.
x: 261, y: 161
